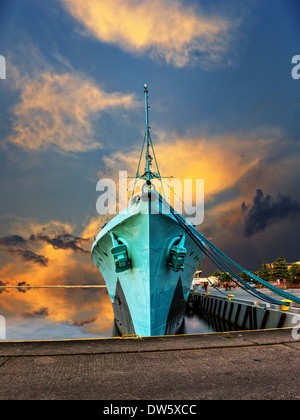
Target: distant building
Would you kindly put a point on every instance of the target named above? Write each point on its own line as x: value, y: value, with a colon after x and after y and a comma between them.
x: 201, y: 281
x: 197, y: 275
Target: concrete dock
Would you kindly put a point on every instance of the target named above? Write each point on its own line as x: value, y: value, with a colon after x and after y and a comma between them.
x: 246, y: 314
x: 255, y: 365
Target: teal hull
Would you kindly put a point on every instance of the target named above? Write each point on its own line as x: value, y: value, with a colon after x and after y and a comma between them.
x: 148, y: 295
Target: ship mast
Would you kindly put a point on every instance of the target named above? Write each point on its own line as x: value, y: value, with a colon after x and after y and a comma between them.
x: 148, y: 174
x: 148, y: 171
x: 148, y: 138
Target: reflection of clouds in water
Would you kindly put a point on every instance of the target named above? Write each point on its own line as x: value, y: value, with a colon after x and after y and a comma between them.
x: 57, y: 313
x: 43, y: 329
x: 48, y: 254
x: 87, y: 311
x: 195, y: 325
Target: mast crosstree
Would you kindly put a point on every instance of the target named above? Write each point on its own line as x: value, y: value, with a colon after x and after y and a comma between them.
x: 149, y: 173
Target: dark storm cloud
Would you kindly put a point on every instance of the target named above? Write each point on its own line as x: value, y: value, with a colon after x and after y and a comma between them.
x: 266, y: 210
x: 62, y: 241
x: 83, y: 322
x: 17, y: 245
x: 244, y: 208
x: 20, y: 285
x: 42, y: 312
x: 13, y: 240
x: 2, y: 284
x: 28, y: 255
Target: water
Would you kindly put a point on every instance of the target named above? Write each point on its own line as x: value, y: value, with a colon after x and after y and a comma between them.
x: 63, y: 313
x: 41, y: 314
x: 197, y: 321
x: 45, y: 314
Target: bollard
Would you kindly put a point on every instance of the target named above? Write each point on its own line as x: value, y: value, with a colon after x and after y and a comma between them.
x: 286, y: 307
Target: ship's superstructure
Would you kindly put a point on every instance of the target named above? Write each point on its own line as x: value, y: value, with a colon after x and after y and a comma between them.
x: 146, y: 258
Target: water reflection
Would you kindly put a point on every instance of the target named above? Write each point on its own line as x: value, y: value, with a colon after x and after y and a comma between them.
x: 197, y: 321
x: 66, y: 313
x: 35, y: 314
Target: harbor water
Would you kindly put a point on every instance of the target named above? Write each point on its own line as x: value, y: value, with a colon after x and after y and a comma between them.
x: 70, y: 313
x: 81, y: 312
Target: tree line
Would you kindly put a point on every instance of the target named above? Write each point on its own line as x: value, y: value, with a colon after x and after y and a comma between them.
x: 277, y: 270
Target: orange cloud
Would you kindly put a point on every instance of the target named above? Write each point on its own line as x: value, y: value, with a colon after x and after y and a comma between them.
x: 232, y: 166
x: 67, y: 254
x: 220, y: 161
x: 57, y: 110
x: 165, y: 28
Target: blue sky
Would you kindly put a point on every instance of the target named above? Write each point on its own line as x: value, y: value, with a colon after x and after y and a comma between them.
x: 224, y: 108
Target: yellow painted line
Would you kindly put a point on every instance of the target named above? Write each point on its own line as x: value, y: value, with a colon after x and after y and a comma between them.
x: 140, y: 337
x: 216, y: 332
x: 60, y: 340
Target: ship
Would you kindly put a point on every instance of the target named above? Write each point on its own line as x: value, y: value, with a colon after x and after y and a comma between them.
x: 146, y: 257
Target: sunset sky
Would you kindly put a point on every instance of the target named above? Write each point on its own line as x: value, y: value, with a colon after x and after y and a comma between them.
x: 224, y: 108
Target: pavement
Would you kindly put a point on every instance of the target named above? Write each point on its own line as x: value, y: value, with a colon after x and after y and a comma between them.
x: 247, y: 365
